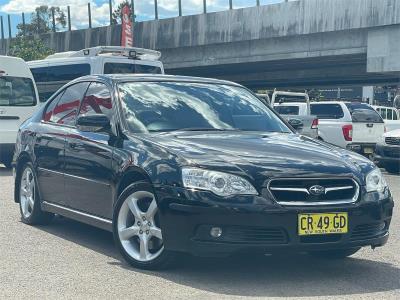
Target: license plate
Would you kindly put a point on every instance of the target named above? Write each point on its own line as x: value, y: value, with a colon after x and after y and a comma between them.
x: 324, y: 223
x: 368, y: 150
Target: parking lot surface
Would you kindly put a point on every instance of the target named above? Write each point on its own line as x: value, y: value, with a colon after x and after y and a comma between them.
x: 67, y: 259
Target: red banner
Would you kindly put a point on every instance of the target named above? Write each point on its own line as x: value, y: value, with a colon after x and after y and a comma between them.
x: 127, y: 28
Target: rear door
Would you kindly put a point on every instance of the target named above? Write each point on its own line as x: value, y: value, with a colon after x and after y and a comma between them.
x: 368, y: 125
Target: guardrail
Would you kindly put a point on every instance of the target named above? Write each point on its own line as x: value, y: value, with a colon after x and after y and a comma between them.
x: 69, y: 26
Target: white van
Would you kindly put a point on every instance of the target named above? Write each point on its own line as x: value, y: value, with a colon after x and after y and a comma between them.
x: 56, y: 70
x: 390, y: 115
x: 18, y: 100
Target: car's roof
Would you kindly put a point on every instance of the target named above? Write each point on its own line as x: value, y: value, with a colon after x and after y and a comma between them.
x: 153, y: 77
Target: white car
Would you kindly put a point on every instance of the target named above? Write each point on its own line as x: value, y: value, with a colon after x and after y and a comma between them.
x: 387, y: 151
x: 355, y: 126
x: 296, y: 113
x: 390, y: 115
x: 18, y: 100
x: 56, y: 70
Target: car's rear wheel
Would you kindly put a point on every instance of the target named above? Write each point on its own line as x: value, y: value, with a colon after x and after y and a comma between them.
x: 137, y: 229
x: 334, y: 254
x: 29, y: 199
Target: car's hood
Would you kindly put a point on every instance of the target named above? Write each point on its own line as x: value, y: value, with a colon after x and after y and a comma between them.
x: 261, y: 156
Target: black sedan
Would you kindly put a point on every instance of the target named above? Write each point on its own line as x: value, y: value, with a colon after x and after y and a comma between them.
x: 179, y: 164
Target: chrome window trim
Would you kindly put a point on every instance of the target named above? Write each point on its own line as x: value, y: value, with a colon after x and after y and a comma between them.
x: 315, y: 203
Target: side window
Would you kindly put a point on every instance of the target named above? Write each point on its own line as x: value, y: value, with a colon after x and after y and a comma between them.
x: 390, y: 114
x: 327, y: 111
x: 66, y: 109
x: 382, y: 112
x: 50, y: 108
x: 395, y: 115
x: 97, y: 100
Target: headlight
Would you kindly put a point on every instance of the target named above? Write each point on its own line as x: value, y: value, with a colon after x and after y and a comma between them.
x: 222, y: 184
x: 375, y: 182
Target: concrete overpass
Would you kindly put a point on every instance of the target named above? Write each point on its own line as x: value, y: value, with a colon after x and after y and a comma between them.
x: 302, y: 43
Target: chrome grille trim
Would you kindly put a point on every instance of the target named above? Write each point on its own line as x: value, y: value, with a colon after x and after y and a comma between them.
x: 315, y: 203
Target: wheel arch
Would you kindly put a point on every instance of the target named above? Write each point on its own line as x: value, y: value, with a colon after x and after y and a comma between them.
x: 129, y: 176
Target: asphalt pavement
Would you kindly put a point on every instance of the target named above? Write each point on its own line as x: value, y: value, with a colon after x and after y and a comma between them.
x: 69, y: 260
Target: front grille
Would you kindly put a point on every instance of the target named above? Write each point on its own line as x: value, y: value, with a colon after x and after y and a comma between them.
x: 239, y: 234
x: 367, y: 231
x: 392, y: 141
x: 300, y: 191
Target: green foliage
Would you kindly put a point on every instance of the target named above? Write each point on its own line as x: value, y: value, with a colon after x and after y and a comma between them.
x: 42, y: 21
x: 29, y: 48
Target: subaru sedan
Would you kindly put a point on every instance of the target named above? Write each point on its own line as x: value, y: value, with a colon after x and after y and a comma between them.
x: 177, y: 165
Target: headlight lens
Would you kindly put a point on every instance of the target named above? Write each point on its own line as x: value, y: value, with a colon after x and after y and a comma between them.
x: 375, y: 182
x: 222, y: 184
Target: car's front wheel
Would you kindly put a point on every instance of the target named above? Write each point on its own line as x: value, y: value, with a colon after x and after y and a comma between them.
x: 334, y: 254
x: 137, y: 229
x: 29, y: 199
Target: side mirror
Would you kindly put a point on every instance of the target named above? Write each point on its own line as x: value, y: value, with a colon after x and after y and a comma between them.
x: 296, y: 124
x: 93, y: 123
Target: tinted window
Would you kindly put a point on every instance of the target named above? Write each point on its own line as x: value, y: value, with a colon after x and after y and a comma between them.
x: 389, y: 114
x: 66, y: 109
x: 120, y: 68
x: 97, y: 100
x: 50, y: 79
x: 361, y: 112
x: 168, y: 106
x: 17, y: 91
x: 327, y: 111
x: 394, y: 115
x: 50, y: 108
x: 287, y: 110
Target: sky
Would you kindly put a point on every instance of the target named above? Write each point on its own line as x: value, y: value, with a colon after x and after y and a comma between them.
x: 144, y: 9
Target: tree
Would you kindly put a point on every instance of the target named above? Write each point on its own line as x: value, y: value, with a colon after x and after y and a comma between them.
x: 42, y: 21
x: 29, y: 48
x: 117, y: 13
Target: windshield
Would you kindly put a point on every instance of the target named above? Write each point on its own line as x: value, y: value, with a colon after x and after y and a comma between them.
x: 16, y: 91
x: 361, y: 112
x: 287, y: 110
x: 126, y: 68
x: 170, y: 106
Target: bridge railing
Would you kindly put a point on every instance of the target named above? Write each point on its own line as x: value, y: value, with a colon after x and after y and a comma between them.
x: 21, y: 24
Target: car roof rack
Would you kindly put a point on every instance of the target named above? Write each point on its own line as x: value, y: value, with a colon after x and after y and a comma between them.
x: 130, y: 52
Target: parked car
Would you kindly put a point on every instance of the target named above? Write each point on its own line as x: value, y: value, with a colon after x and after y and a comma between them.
x: 57, y: 69
x: 18, y: 100
x: 390, y: 115
x: 387, y: 152
x: 296, y: 113
x: 175, y: 164
x: 355, y: 126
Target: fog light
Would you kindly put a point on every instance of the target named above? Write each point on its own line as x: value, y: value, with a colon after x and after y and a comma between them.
x: 216, y: 232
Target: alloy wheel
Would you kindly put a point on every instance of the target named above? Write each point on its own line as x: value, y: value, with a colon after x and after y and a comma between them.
x: 27, y: 192
x: 138, y: 227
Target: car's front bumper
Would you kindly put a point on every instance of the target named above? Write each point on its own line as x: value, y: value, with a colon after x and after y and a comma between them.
x: 263, y: 228
x: 387, y: 154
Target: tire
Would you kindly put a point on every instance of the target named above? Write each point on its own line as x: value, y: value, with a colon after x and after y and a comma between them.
x: 137, y: 231
x: 29, y: 199
x: 393, y: 168
x: 334, y: 254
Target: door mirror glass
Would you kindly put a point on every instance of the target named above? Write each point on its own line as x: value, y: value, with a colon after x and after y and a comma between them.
x: 93, y: 123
